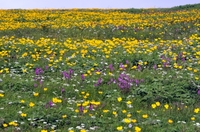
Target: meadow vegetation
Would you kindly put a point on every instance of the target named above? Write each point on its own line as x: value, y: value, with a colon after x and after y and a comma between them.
x: 78, y: 70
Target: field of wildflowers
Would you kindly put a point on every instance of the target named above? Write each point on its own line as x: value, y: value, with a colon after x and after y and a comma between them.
x: 99, y: 70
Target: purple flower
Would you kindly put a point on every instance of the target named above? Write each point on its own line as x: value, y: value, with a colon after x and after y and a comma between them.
x: 71, y: 72
x: 50, y: 103
x: 82, y: 77
x: 81, y: 109
x: 63, y: 90
x: 66, y: 75
x: 136, y: 82
x: 38, y: 71
x: 98, y: 83
x: 155, y: 67
x: 139, y: 67
x: 35, y: 85
x: 40, y: 82
x: 165, y: 64
x: 46, y: 67
x: 91, y: 107
x: 111, y: 67
x: 198, y: 92
x: 183, y: 59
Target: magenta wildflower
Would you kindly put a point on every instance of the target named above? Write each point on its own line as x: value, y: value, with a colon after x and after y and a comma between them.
x: 111, y: 67
x: 139, y: 67
x: 82, y: 77
x: 198, y: 92
x: 50, y: 103
x: 38, y: 71
x: 127, y: 62
x: 35, y: 85
x: 63, y: 90
x: 46, y: 67
x: 91, y: 107
x: 98, y: 83
x: 155, y: 67
x: 81, y: 109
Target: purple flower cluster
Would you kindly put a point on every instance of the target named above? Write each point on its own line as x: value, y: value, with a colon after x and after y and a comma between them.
x: 68, y: 74
x: 38, y: 77
x: 111, y: 68
x: 125, y: 82
x: 98, y: 82
x: 38, y: 71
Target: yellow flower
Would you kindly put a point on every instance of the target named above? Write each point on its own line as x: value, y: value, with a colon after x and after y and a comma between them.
x: 100, y: 92
x: 23, y: 115
x: 157, y: 103
x: 71, y: 131
x: 12, y: 123
x: 64, y: 116
x: 87, y: 94
x: 166, y: 106
x: 119, y: 128
x: 114, y: 113
x: 123, y: 111
x: 128, y: 102
x: 35, y: 94
x: 22, y: 101
x: 126, y: 120
x: 98, y: 72
x: 107, y: 56
x: 85, y: 111
x: 153, y: 106
x: 5, y: 125
x: 128, y: 115
x: 88, y: 71
x: 119, y: 99
x: 196, y: 110
x: 76, y: 110
x: 145, y: 116
x: 105, y: 111
x: 85, y: 75
x: 56, y: 100
x: 134, y: 120
x: 95, y: 64
x: 195, y: 70
x: 44, y: 131
x: 1, y: 95
x: 82, y: 130
x: 170, y: 121
x: 24, y: 70
x: 31, y: 104
x: 192, y: 118
x: 137, y: 129
x: 45, y: 89
x: 134, y: 67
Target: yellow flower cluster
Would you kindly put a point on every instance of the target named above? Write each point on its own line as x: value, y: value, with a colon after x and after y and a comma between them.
x: 19, y: 19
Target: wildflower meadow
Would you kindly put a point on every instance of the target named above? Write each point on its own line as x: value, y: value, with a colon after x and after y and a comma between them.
x: 101, y: 70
